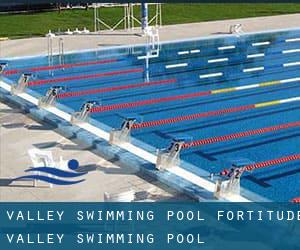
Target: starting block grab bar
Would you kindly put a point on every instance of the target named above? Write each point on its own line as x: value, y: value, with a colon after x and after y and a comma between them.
x: 170, y: 157
x: 50, y: 97
x: 22, y: 84
x: 122, y: 135
x: 3, y: 65
x: 84, y: 113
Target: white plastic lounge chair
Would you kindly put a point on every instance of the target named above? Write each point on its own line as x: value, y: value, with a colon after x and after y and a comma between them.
x: 128, y: 196
x: 41, y: 158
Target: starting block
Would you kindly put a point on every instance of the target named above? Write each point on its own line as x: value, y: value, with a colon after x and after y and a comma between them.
x: 170, y: 157
x: 22, y: 84
x: 236, y: 29
x: 122, y: 135
x: 3, y: 65
x: 227, y: 188
x: 84, y: 113
x: 50, y: 97
x: 230, y: 186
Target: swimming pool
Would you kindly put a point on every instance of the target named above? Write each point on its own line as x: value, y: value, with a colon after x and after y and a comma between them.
x: 232, y: 98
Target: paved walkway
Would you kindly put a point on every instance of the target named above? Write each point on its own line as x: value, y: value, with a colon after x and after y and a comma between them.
x: 18, y: 133
x: 35, y: 46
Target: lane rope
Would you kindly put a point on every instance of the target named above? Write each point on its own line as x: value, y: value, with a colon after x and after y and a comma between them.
x: 296, y: 200
x: 271, y: 162
x: 188, y: 96
x: 111, y: 89
x: 160, y: 122
x: 191, y: 117
x: 240, y: 135
x: 65, y: 66
x: 146, y: 102
x: 264, y: 164
x: 80, y: 77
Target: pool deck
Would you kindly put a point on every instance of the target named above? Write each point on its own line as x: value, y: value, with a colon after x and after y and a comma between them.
x: 106, y: 176
x: 37, y: 46
x: 18, y: 133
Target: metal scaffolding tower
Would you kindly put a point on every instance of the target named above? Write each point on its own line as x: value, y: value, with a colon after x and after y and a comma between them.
x: 129, y: 20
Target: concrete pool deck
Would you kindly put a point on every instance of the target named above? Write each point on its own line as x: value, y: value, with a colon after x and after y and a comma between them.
x: 38, y: 45
x: 19, y: 133
x: 108, y: 177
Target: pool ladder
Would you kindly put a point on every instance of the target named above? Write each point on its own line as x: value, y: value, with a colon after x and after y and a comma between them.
x: 50, y: 52
x: 61, y: 53
x: 153, y: 48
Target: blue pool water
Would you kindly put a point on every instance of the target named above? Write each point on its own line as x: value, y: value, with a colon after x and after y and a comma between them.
x: 237, y: 61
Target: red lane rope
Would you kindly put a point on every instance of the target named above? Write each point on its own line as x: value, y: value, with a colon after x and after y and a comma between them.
x: 240, y: 134
x: 65, y: 66
x: 191, y: 117
x: 271, y: 162
x: 296, y: 200
x: 110, y: 89
x: 265, y: 164
x: 148, y: 102
x: 71, y: 78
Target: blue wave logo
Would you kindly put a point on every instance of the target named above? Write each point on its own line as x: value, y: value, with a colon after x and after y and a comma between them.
x: 62, y: 174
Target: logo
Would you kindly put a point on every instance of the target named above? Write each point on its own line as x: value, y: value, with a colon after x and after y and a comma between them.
x: 55, y: 175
